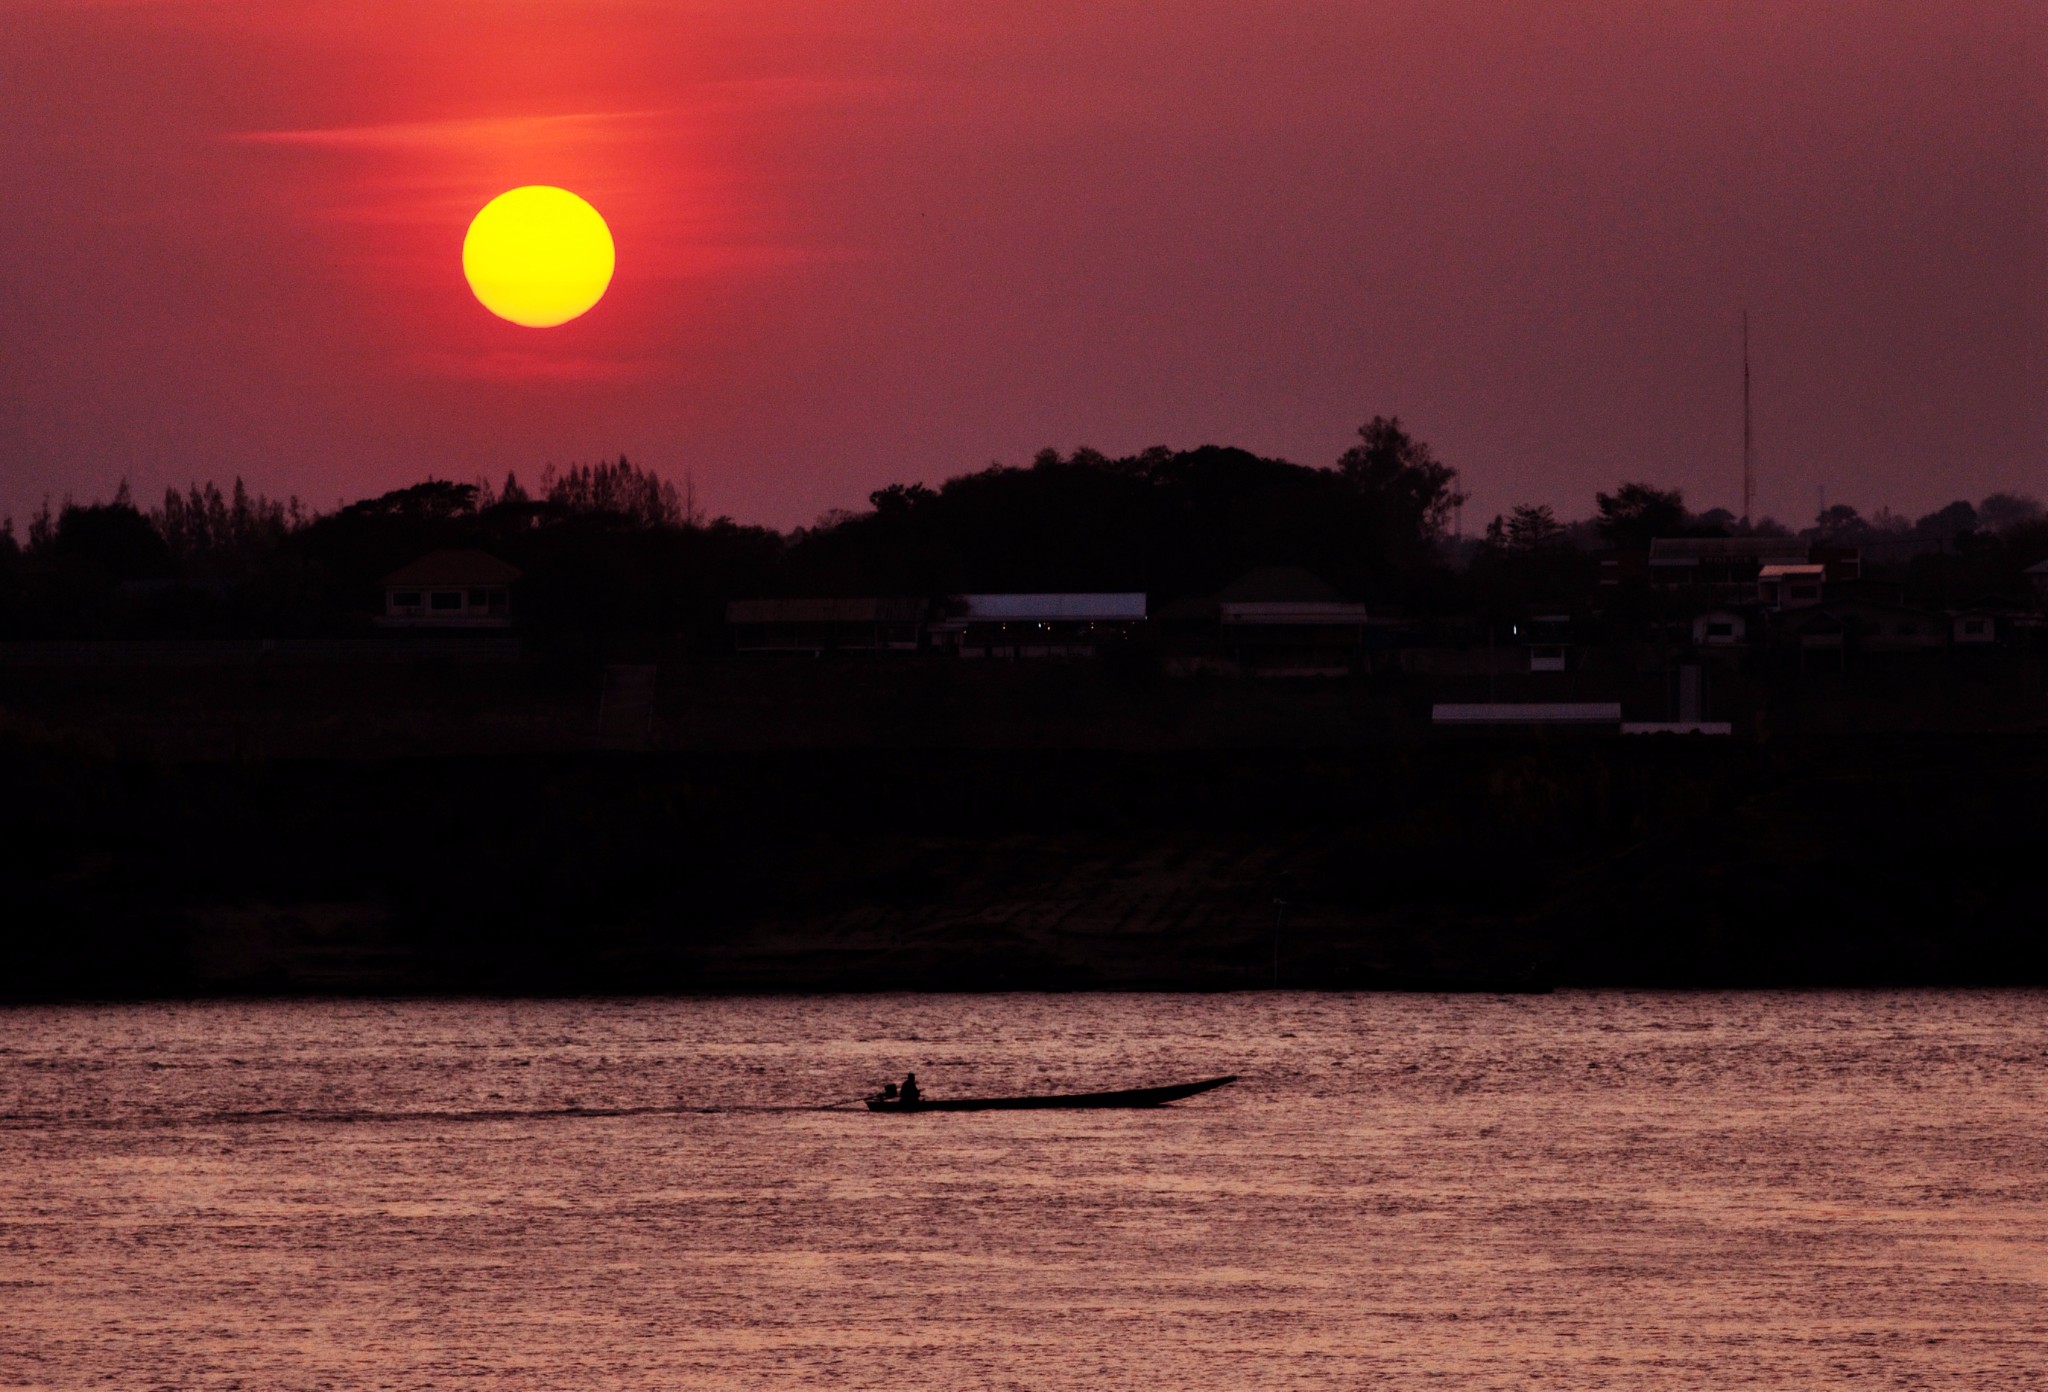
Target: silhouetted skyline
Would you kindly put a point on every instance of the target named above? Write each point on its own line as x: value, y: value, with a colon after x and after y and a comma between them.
x: 862, y: 246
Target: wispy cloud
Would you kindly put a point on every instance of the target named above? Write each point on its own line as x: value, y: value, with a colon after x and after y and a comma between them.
x: 466, y: 132
x: 462, y: 133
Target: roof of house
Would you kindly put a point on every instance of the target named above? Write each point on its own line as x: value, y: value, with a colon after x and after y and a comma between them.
x: 1856, y: 612
x: 1691, y: 551
x: 1869, y: 606
x: 1276, y: 585
x: 1994, y: 604
x: 867, y: 609
x: 1044, y: 608
x: 1886, y: 593
x: 1292, y: 612
x: 1791, y: 572
x: 454, y: 568
x: 1525, y: 712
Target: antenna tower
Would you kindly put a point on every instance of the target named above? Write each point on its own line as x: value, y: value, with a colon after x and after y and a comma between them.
x: 1748, y: 446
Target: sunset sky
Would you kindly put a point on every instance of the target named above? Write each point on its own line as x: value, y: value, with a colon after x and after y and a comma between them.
x: 867, y: 242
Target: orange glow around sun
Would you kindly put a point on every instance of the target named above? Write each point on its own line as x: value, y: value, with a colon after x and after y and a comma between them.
x: 538, y: 256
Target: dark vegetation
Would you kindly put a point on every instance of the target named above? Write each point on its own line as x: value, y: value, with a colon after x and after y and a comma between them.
x: 1839, y: 862
x: 870, y: 824
x: 613, y: 550
x: 613, y: 554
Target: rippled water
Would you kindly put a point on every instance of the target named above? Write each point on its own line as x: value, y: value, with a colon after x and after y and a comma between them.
x: 1573, y: 1191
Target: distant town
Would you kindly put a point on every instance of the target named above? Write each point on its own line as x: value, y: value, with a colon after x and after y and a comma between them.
x: 1211, y: 564
x: 1198, y: 720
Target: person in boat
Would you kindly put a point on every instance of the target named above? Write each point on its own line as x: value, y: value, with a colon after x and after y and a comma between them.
x: 908, y: 1092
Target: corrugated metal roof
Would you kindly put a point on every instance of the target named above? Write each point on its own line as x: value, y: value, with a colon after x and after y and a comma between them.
x: 865, y: 609
x: 1046, y: 608
x: 1687, y: 551
x: 1292, y: 612
x: 455, y: 568
x: 1525, y: 712
x: 1276, y: 584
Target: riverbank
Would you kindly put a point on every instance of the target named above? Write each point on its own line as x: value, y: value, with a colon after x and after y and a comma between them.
x: 1434, y: 865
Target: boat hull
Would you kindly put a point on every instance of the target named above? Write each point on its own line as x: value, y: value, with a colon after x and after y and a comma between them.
x: 1127, y: 1097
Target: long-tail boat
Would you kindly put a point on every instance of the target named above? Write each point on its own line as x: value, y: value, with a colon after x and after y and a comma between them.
x: 1125, y: 1097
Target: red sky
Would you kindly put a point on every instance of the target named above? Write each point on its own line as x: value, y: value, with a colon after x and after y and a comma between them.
x: 880, y: 241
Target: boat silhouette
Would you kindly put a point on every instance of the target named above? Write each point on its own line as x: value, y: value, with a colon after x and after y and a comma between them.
x: 1124, y: 1097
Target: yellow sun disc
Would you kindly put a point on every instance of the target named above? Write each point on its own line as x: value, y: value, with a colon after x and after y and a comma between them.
x: 538, y: 256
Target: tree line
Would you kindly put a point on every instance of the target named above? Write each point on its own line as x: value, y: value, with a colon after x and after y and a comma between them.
x: 614, y: 547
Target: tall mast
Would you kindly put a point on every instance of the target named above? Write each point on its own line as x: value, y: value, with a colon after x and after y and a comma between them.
x: 1748, y: 450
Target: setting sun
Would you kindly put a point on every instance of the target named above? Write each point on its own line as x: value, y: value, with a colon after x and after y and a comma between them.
x: 538, y: 256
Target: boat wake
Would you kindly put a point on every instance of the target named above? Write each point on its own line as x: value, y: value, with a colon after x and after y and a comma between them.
x: 272, y: 1116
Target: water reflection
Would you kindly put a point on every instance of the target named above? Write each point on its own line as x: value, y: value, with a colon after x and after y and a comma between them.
x: 1572, y: 1191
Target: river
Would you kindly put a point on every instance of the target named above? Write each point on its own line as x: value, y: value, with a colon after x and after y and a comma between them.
x: 1405, y: 1191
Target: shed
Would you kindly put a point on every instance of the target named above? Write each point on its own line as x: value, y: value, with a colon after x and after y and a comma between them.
x: 1731, y: 566
x: 1512, y: 714
x: 1547, y: 637
x: 827, y: 624
x: 1989, y: 621
x: 1720, y: 628
x: 1812, y: 630
x: 450, y: 589
x: 1866, y: 627
x: 1720, y: 560
x: 1286, y: 621
x: 1974, y: 628
x: 1894, y: 628
x: 1790, y: 586
x: 1038, y: 624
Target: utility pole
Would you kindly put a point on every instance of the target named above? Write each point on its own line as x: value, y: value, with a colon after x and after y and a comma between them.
x: 1748, y: 440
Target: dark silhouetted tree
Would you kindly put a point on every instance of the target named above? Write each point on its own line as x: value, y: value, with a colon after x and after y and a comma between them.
x: 2004, y: 512
x: 1171, y: 523
x: 434, y: 500
x: 1841, y: 525
x: 1527, y: 561
x: 1527, y: 528
x: 1635, y: 514
x: 1946, y: 524
x: 620, y: 490
x: 1409, y: 492
x: 42, y: 527
x: 112, y: 539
